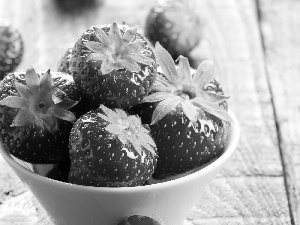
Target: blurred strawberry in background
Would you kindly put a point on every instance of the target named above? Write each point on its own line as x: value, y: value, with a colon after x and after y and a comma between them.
x: 76, y: 6
x: 176, y: 25
x: 11, y: 49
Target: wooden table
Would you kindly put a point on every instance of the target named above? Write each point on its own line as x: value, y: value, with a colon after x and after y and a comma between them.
x: 256, y: 49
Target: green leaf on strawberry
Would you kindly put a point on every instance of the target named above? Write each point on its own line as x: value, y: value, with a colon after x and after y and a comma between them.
x: 180, y: 87
x: 117, y: 51
x: 110, y: 148
x: 36, y: 114
x: 40, y: 103
x: 187, y: 113
x: 128, y: 129
x: 113, y: 65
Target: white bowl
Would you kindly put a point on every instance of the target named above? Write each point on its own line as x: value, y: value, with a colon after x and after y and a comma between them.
x: 171, y: 201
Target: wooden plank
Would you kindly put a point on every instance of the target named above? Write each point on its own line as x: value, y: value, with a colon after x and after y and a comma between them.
x: 22, y: 15
x: 19, y: 210
x: 231, y: 38
x: 48, y: 31
x: 280, y: 23
x: 10, y: 184
x: 250, y: 200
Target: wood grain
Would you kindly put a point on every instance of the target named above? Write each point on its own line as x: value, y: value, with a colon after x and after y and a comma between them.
x: 280, y: 25
x: 48, y: 31
x: 19, y: 210
x: 232, y: 40
x: 242, y: 200
x: 251, y: 188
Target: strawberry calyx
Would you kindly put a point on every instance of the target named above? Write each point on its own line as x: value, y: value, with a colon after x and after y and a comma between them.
x: 40, y: 103
x: 179, y: 86
x: 118, y: 51
x: 129, y: 130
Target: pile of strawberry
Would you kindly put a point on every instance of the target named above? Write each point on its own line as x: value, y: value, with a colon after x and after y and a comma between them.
x: 124, y: 112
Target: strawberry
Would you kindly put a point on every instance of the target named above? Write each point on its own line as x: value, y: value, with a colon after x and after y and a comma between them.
x: 63, y: 64
x: 110, y: 148
x: 176, y: 25
x: 113, y: 65
x: 11, y: 49
x: 187, y: 114
x: 76, y: 7
x: 34, y: 119
x: 140, y: 220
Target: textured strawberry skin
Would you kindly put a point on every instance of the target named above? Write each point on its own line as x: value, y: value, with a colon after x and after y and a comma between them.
x: 158, y: 28
x: 11, y: 50
x: 155, y: 31
x: 66, y: 83
x: 97, y: 158
x: 63, y: 64
x: 28, y: 143
x: 118, y: 89
x: 181, y: 146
